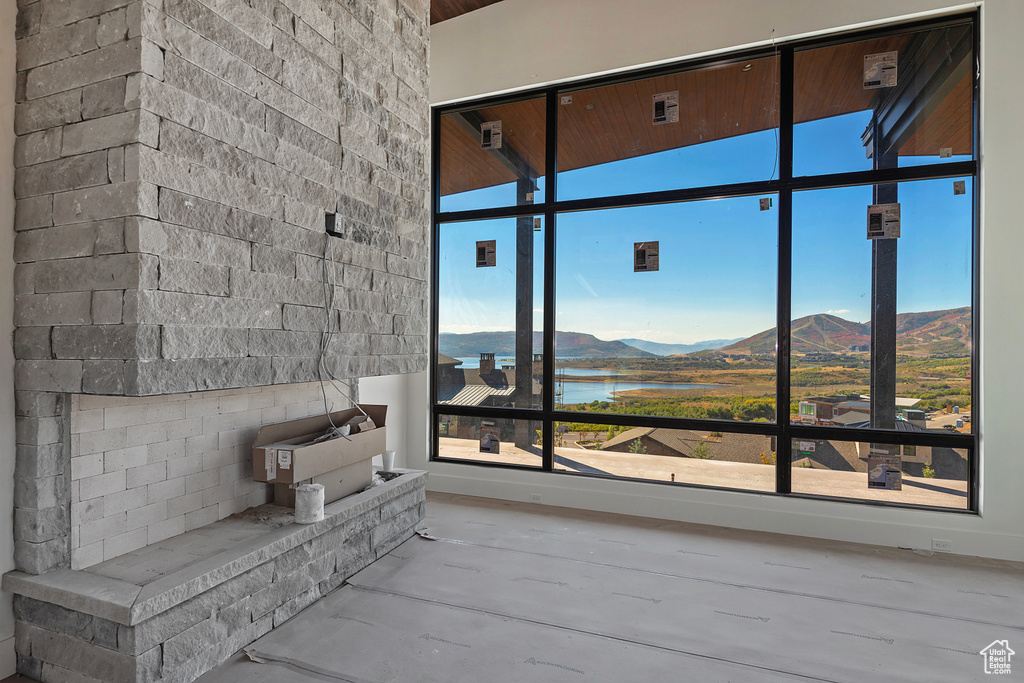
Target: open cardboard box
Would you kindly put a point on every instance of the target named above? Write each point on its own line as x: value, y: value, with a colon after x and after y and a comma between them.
x: 284, y: 454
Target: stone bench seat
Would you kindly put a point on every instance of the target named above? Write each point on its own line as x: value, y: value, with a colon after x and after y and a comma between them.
x: 173, y: 610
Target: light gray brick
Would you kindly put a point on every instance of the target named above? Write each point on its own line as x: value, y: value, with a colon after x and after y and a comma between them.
x: 38, y: 147
x: 47, y: 112
x: 34, y: 212
x: 175, y: 308
x: 65, y: 242
x: 106, y: 307
x: 115, y: 271
x: 102, y: 528
x: 105, y: 201
x: 32, y: 343
x: 188, y: 342
x: 115, y: 60
x: 65, y: 12
x: 106, y: 341
x: 121, y: 544
x: 61, y: 43
x: 180, y: 275
x: 101, y: 133
x: 113, y: 28
x: 49, y: 375
x: 103, y: 377
x: 62, y: 175
x: 187, y: 77
x: 104, y: 98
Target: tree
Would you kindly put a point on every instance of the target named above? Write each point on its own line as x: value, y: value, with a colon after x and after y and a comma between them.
x: 637, y: 446
x: 702, y: 451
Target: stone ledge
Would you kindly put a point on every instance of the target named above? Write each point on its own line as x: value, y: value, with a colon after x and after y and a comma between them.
x: 210, y: 602
x: 130, y: 604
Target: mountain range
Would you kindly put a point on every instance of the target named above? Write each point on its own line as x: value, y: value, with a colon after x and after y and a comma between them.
x: 569, y: 344
x: 660, y: 349
x: 919, y: 334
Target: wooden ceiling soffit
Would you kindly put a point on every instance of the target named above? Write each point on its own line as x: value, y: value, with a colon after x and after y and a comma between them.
x: 929, y: 110
x: 442, y: 10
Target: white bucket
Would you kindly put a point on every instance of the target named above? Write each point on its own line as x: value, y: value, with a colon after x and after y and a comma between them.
x: 388, y: 460
x: 309, y: 503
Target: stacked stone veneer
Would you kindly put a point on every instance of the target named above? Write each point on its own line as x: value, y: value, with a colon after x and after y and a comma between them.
x: 146, y: 469
x: 175, y: 162
x: 88, y: 628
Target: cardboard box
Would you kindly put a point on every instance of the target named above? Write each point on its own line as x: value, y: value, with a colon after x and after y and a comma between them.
x: 285, y: 454
x: 337, y: 484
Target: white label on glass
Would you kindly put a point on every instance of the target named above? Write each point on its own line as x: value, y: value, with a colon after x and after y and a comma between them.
x: 537, y: 223
x: 489, y: 440
x: 883, y: 221
x: 959, y: 187
x: 880, y: 70
x: 645, y: 257
x: 666, y: 108
x: 945, y: 152
x: 885, y: 470
x: 566, y: 99
x: 806, y: 446
x: 486, y: 253
x: 766, y: 203
x: 490, y: 135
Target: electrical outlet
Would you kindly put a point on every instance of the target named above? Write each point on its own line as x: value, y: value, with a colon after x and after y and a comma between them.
x: 942, y: 546
x: 535, y: 498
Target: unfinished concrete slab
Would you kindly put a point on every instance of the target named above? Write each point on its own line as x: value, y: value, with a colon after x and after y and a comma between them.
x: 512, y: 592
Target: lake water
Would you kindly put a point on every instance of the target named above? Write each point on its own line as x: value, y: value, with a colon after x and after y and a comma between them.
x: 585, y: 392
x: 474, y: 362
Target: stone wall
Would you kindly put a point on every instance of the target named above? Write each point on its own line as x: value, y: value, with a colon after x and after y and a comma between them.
x: 175, y: 164
x: 176, y: 160
x: 89, y: 628
x: 146, y: 469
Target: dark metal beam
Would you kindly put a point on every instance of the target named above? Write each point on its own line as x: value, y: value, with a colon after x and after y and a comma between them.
x: 506, y: 154
x: 929, y: 68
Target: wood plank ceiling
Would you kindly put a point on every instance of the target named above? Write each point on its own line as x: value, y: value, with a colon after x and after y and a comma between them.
x: 442, y: 10
x: 613, y: 122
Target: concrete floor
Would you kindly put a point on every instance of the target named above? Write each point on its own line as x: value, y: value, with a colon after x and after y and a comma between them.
x: 519, y: 592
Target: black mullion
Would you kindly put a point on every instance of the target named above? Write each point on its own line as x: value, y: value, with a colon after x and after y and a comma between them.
x: 784, y: 307
x: 732, y: 426
x: 677, y: 196
x: 435, y: 186
x: 550, y: 199
x: 974, y: 469
x: 819, y: 433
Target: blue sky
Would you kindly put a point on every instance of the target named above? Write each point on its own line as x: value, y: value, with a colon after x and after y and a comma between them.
x: 718, y: 258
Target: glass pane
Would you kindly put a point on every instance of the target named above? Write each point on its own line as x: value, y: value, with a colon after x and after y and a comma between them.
x: 493, y: 156
x: 704, y: 127
x: 926, y: 373
x: 489, y: 345
x: 484, y: 439
x: 706, y: 458
x: 917, y: 475
x: 916, y: 86
x: 668, y: 310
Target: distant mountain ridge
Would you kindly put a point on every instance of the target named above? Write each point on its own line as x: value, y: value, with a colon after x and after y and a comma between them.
x: 575, y: 344
x: 926, y: 333
x: 661, y: 349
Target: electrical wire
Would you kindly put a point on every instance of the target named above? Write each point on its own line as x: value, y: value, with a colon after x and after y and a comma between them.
x: 326, y: 332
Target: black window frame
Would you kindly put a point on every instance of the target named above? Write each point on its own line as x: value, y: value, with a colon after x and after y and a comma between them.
x: 782, y: 186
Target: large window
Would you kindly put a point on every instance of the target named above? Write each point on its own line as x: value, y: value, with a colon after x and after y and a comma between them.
x: 756, y: 273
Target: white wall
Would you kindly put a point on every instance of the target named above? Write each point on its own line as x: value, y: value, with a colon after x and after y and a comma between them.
x: 393, y: 391
x: 520, y: 43
x: 8, y: 12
